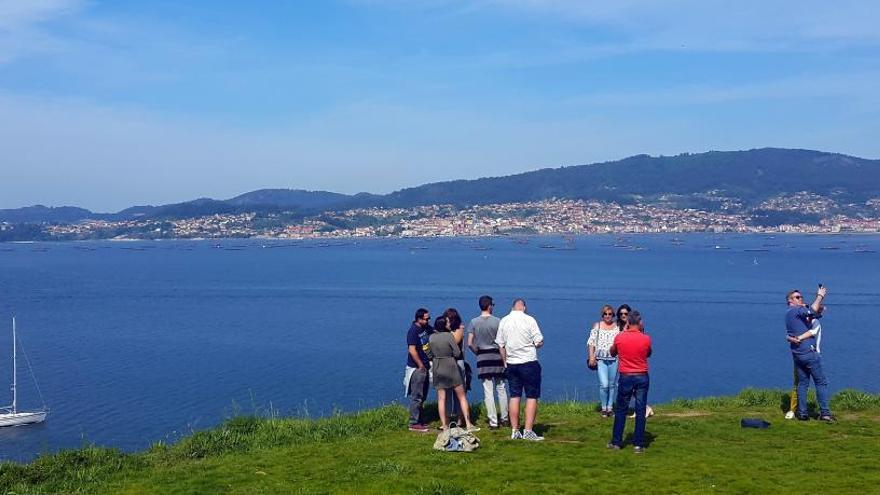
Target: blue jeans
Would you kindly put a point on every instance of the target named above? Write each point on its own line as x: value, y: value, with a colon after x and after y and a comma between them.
x: 607, y: 371
x: 627, y: 387
x: 809, y: 365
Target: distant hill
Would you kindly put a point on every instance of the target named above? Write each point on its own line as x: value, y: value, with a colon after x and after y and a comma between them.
x: 263, y: 200
x: 40, y: 213
x: 296, y: 198
x: 750, y: 176
x: 699, y: 180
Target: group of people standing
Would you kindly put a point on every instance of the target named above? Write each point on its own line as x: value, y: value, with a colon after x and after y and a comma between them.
x: 617, y: 349
x: 506, y: 356
x: 506, y: 353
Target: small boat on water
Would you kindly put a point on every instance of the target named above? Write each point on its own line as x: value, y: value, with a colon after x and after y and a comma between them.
x: 10, y: 415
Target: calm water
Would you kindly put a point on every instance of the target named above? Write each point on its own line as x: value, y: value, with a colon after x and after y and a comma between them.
x: 134, y: 343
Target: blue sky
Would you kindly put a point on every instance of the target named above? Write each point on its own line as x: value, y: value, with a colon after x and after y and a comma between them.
x: 110, y: 104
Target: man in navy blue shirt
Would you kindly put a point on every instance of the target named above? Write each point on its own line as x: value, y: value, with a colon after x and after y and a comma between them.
x: 807, y: 362
x: 416, y: 378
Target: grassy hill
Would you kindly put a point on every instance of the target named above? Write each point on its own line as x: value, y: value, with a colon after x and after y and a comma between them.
x: 696, y: 446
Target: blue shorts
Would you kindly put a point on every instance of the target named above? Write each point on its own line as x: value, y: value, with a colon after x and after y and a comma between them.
x: 526, y: 376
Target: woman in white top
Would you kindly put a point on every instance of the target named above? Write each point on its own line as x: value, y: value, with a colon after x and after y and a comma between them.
x: 601, y: 337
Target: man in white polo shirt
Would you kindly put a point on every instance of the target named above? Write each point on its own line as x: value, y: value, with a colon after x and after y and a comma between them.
x: 518, y: 340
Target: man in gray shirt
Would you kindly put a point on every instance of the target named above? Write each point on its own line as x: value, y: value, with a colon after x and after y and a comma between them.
x: 482, y: 331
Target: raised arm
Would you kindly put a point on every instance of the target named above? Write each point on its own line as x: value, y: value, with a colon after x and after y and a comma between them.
x: 820, y: 296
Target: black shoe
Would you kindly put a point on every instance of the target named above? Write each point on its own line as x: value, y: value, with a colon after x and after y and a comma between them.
x: 828, y: 418
x: 505, y: 423
x: 802, y: 418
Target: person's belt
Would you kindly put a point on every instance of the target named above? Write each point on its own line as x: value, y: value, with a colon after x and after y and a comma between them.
x: 635, y: 373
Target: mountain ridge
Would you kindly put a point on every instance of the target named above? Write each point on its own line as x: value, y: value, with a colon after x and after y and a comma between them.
x: 687, y: 180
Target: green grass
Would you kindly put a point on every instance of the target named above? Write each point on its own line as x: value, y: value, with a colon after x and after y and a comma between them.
x: 696, y: 446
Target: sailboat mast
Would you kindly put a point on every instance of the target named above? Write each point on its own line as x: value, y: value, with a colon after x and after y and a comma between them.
x: 14, y: 370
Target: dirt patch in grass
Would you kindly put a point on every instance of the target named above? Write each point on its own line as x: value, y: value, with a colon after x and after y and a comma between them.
x: 686, y: 414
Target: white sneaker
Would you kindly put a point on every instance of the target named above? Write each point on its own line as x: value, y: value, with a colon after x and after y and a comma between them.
x: 531, y: 436
x: 516, y: 435
x: 789, y: 415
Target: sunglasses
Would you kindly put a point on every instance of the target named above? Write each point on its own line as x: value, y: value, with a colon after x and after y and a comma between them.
x: 797, y: 297
x: 607, y: 314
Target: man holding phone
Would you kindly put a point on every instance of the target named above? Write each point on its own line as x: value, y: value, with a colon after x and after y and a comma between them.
x: 807, y: 362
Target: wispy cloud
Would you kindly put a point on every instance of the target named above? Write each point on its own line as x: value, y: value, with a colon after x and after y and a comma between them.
x: 21, y: 26
x: 19, y: 14
x: 699, y: 25
x: 856, y: 89
x: 720, y: 21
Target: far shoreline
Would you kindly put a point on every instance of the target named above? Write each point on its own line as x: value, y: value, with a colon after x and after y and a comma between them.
x: 428, y: 237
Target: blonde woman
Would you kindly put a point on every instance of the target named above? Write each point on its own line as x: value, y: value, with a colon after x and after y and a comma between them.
x: 601, y: 337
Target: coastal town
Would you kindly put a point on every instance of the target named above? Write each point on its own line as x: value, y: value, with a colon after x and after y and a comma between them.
x: 546, y: 217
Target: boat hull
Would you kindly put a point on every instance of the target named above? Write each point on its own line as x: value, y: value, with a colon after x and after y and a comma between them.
x: 22, y: 418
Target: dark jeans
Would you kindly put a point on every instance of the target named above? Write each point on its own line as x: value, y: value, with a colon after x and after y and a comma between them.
x: 809, y: 365
x: 628, y: 386
x: 418, y: 392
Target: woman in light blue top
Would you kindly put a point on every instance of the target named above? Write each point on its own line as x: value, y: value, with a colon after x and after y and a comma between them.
x: 601, y: 337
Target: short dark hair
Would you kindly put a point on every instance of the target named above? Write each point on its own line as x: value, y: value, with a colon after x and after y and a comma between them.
x: 420, y: 314
x: 518, y: 300
x: 790, y: 293
x: 440, y: 324
x: 485, y: 302
x: 454, y: 318
x: 634, y: 318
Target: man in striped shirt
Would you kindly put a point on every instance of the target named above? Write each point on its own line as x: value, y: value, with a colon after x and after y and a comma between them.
x: 482, y: 331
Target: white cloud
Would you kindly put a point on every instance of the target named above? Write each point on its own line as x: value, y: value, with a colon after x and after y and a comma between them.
x: 705, y: 25
x: 20, y: 14
x: 21, y: 26
x: 857, y: 89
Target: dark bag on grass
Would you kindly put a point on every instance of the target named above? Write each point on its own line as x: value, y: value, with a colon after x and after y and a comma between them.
x: 754, y: 423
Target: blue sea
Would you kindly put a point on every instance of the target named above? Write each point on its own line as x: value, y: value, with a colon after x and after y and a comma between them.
x: 138, y: 342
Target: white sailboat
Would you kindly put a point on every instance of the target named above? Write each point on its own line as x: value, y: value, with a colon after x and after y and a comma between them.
x: 10, y: 415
